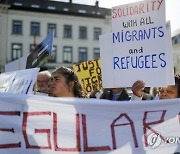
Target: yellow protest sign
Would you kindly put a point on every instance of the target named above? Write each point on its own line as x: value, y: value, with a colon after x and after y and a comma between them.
x: 89, y: 73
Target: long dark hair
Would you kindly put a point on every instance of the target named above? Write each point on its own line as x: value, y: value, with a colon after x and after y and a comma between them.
x: 70, y: 75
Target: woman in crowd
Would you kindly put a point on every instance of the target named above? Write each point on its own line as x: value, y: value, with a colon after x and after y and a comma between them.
x: 171, y: 91
x: 64, y: 83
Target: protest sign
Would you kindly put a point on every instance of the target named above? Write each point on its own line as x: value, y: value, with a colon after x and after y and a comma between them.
x: 89, y: 73
x: 15, y: 65
x: 139, y: 45
x: 18, y: 82
x: 46, y: 125
x: 107, y: 67
x: 41, y: 52
x: 106, y: 55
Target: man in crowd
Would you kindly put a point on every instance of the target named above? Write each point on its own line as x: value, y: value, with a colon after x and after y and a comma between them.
x: 42, y: 82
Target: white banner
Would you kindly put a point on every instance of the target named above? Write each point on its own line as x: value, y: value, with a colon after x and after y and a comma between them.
x: 45, y: 125
x: 18, y: 82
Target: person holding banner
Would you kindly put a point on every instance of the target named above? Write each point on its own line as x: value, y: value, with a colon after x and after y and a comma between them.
x: 65, y: 83
x: 169, y: 92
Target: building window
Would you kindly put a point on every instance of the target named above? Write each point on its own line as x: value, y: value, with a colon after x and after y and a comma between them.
x: 52, y: 27
x: 17, y: 27
x: 52, y: 57
x: 32, y: 47
x: 97, y: 32
x: 35, y: 6
x: 17, y: 4
x: 35, y: 28
x: 82, y: 11
x: 16, y: 51
x: 67, y: 31
x: 51, y: 8
x: 66, y: 9
x: 82, y: 32
x: 96, y: 53
x: 176, y: 39
x: 67, y: 54
x: 82, y: 54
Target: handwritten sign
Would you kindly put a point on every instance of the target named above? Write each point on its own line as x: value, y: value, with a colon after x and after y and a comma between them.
x: 18, y: 82
x: 89, y: 73
x: 40, y: 124
x: 139, y: 45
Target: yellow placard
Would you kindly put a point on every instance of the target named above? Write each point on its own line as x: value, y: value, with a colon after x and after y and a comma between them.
x: 89, y: 73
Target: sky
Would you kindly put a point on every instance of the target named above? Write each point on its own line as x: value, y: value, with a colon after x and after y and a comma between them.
x: 172, y: 8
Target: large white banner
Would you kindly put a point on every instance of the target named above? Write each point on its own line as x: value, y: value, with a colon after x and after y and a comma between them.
x: 44, y: 125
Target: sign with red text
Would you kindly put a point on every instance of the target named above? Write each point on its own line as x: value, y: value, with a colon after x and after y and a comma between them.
x: 139, y: 45
x: 18, y: 82
x: 47, y: 125
x: 89, y: 72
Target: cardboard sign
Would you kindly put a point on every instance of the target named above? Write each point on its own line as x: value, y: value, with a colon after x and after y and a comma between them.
x: 139, y: 47
x: 89, y: 73
x: 18, y: 82
x: 41, y: 52
x: 46, y: 125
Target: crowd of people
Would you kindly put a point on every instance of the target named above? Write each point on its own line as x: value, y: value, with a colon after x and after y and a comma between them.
x: 64, y: 82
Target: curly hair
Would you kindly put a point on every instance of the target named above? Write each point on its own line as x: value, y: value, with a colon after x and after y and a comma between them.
x: 70, y: 75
